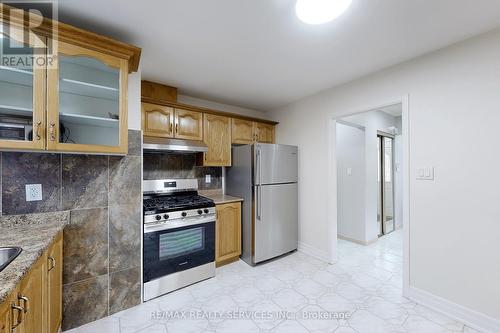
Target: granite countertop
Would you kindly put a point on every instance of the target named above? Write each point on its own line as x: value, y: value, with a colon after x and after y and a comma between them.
x: 33, y: 233
x: 220, y: 198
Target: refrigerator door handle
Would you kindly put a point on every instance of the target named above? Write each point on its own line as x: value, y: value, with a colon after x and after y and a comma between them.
x: 259, y: 186
x: 259, y: 202
x: 259, y: 157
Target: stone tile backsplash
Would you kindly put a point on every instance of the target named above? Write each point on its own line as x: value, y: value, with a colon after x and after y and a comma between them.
x: 85, y: 181
x: 102, y: 242
x: 180, y: 165
x: 19, y: 169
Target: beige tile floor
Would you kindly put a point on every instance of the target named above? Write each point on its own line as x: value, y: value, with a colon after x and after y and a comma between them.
x: 289, y: 295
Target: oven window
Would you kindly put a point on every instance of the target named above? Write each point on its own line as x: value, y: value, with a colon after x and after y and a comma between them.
x: 179, y: 243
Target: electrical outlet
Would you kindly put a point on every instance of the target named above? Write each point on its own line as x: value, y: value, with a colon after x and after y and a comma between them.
x: 33, y: 192
x: 208, y: 179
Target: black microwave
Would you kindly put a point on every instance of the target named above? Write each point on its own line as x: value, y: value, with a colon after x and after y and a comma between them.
x: 18, y: 132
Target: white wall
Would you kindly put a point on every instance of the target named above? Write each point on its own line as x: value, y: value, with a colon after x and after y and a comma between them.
x: 351, y: 186
x: 454, y: 100
x: 373, y: 122
x: 221, y: 107
x: 134, y: 100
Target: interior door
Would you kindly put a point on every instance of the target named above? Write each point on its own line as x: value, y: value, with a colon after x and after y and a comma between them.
x: 275, y: 164
x: 276, y: 220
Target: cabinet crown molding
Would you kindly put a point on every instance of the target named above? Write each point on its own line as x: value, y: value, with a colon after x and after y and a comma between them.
x: 67, y: 33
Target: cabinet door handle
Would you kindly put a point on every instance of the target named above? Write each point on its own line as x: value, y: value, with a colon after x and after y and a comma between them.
x: 38, y: 124
x: 26, y: 301
x: 53, y: 263
x: 176, y: 128
x: 52, y: 131
x: 171, y: 125
x: 20, y: 315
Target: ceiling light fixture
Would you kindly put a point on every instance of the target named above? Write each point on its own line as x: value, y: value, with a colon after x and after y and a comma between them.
x: 320, y: 11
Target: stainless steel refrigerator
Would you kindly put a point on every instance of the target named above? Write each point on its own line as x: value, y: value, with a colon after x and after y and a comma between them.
x: 265, y: 176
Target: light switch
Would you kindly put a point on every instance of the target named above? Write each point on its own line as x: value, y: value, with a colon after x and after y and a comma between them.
x: 425, y: 173
x: 208, y: 179
x: 421, y: 173
x: 33, y: 192
x: 349, y: 171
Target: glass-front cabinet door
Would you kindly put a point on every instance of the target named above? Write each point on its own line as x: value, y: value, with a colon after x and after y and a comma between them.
x: 87, y: 110
x: 22, y: 92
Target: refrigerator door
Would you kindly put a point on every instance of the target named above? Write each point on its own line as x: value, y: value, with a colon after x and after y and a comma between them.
x: 276, y: 221
x: 275, y: 164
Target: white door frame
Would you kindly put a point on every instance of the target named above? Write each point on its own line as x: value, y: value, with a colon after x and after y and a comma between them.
x: 332, y: 182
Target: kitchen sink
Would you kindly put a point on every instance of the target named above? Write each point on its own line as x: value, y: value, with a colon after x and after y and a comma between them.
x: 7, y: 254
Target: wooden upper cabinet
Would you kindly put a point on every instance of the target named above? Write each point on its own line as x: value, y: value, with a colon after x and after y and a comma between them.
x: 157, y: 120
x: 87, y: 102
x: 242, y: 131
x: 73, y: 97
x: 188, y: 125
x: 228, y: 233
x: 264, y: 132
x: 217, y: 136
x: 22, y: 99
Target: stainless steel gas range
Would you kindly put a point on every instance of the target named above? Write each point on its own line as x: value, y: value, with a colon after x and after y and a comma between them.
x: 179, y: 236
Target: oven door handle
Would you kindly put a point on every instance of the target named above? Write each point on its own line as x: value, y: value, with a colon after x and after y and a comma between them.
x: 155, y: 227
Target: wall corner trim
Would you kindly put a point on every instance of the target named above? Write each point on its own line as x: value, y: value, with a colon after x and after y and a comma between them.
x: 471, y: 318
x: 314, y: 252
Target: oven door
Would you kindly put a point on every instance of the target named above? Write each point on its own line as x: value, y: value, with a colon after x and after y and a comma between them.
x: 171, y: 248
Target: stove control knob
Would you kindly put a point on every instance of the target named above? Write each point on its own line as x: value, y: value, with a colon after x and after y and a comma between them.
x: 158, y: 217
x: 184, y: 214
x: 200, y: 212
x: 166, y: 216
x: 206, y: 211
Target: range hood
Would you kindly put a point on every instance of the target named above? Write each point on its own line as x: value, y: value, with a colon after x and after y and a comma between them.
x: 166, y: 145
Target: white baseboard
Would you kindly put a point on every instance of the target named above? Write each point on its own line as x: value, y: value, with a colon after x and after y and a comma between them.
x: 357, y: 241
x: 462, y: 314
x: 314, y: 252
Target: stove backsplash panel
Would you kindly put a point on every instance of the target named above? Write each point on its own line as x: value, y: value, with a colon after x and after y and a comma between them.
x: 179, y: 166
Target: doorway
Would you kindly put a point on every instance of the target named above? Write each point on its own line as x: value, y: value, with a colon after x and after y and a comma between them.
x: 385, y: 180
x: 400, y: 176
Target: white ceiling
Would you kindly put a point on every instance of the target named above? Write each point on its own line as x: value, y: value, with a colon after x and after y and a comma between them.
x: 257, y: 54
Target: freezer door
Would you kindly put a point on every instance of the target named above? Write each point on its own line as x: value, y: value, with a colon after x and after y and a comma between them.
x: 276, y: 221
x: 275, y: 164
